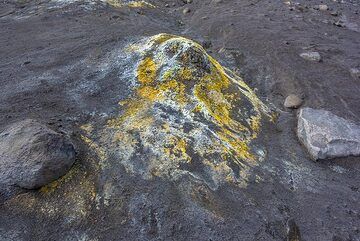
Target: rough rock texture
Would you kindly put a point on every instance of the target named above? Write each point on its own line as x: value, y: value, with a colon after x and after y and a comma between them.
x: 326, y: 135
x: 32, y: 155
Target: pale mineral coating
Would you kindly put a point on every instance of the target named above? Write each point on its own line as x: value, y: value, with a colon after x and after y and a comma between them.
x: 187, y: 112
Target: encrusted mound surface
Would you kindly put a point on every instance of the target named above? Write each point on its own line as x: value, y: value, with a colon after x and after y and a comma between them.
x: 188, y: 115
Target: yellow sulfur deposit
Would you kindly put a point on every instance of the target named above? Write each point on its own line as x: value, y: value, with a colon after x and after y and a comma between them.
x: 186, y: 111
x: 133, y: 4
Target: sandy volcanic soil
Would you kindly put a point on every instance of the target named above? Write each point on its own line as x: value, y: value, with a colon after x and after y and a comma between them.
x: 62, y: 63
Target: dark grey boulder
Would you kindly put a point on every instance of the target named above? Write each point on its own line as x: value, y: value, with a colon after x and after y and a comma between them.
x: 326, y: 135
x: 32, y: 155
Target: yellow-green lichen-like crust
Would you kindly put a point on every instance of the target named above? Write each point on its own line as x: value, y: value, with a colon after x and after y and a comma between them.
x: 186, y: 110
x: 132, y: 4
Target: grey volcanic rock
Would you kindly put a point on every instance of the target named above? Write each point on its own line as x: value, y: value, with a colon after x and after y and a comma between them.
x: 32, y: 155
x: 326, y: 135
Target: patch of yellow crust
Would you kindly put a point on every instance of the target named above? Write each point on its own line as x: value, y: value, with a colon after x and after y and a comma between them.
x: 161, y: 38
x: 98, y: 150
x: 132, y: 4
x: 51, y: 187
x: 176, y: 148
x: 146, y: 72
x: 140, y: 4
x: 148, y: 92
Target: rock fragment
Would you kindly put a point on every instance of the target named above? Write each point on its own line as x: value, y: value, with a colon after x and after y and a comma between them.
x: 32, y: 155
x: 326, y: 135
x: 355, y: 73
x: 186, y: 10
x: 293, y: 101
x: 339, y: 23
x: 323, y: 7
x: 334, y: 13
x: 311, y: 56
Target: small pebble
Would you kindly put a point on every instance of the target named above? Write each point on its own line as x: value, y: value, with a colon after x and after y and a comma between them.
x: 311, y: 56
x: 323, y: 7
x: 355, y: 72
x: 186, y: 10
x: 339, y: 23
x: 293, y: 101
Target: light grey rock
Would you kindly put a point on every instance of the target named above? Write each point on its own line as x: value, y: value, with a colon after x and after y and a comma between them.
x: 355, y: 72
x: 311, y: 56
x: 32, y: 155
x: 293, y: 101
x: 326, y: 135
x: 186, y: 10
x: 323, y: 7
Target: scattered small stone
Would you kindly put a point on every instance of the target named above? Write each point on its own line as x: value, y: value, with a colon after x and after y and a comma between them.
x: 355, y: 72
x: 167, y: 5
x: 32, y: 155
x: 323, y: 7
x: 311, y: 56
x: 339, y: 23
x: 326, y: 135
x: 189, y: 1
x: 293, y: 101
x: 334, y: 13
x: 300, y: 8
x: 338, y: 169
x: 186, y: 10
